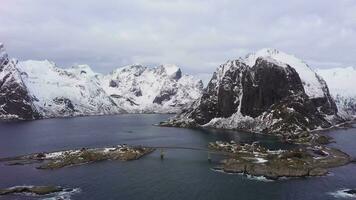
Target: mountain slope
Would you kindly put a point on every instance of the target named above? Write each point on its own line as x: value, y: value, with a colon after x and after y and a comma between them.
x: 140, y: 89
x: 342, y: 82
x: 268, y: 91
x: 65, y: 92
x: 15, y: 101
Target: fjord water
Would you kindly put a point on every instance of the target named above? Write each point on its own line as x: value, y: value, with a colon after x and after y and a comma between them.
x: 183, y: 174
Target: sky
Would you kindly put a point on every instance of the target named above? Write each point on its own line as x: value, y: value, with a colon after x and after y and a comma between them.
x: 196, y: 35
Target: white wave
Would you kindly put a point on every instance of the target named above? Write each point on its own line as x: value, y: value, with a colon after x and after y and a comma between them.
x: 64, y: 195
x: 258, y: 178
x: 250, y: 177
x: 342, y: 194
x: 222, y: 171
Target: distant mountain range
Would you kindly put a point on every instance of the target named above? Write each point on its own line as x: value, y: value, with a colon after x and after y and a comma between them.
x: 266, y: 91
x: 40, y: 89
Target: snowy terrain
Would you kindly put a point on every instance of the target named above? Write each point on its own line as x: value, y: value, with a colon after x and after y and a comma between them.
x: 150, y: 90
x: 46, y: 90
x: 342, y: 85
x: 65, y: 92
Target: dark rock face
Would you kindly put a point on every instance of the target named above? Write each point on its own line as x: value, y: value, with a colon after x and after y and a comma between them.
x: 351, y: 191
x: 229, y: 92
x: 298, y: 113
x: 136, y: 91
x: 113, y: 83
x: 14, y: 98
x: 164, y: 96
x: 219, y: 100
x: 177, y: 75
x: 270, y: 93
x: 266, y: 84
x: 68, y: 107
x: 132, y: 102
x: 326, y: 104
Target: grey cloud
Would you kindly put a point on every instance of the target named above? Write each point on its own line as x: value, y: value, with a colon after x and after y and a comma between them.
x: 195, y: 34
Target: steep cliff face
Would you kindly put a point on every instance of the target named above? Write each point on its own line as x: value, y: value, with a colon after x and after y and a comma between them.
x: 267, y: 83
x: 15, y: 102
x: 271, y: 92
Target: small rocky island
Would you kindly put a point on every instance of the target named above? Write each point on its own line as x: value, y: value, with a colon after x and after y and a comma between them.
x: 35, y: 190
x: 255, y: 160
x: 59, y: 159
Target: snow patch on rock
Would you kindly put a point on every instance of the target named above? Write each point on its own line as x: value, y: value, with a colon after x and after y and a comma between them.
x: 312, y: 86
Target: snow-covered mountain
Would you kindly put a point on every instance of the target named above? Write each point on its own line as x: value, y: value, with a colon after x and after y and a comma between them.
x: 151, y: 90
x: 342, y: 85
x: 40, y: 89
x: 267, y: 91
x: 60, y: 92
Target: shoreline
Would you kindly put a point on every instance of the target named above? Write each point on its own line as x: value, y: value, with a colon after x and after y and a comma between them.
x: 255, y: 160
x: 59, y: 159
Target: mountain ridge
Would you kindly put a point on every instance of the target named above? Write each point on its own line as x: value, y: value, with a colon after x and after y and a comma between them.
x: 51, y: 91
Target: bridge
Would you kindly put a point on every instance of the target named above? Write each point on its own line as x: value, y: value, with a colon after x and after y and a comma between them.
x: 209, y: 151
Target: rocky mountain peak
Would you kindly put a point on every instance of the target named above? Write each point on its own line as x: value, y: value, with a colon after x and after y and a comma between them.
x: 313, y: 85
x: 158, y: 89
x: 135, y: 70
x: 172, y: 71
x: 82, y: 70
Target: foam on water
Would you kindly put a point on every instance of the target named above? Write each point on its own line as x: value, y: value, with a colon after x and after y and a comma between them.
x: 342, y: 194
x: 65, y: 195
x: 250, y: 177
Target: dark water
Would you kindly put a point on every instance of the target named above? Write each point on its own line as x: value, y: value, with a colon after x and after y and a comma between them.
x: 183, y: 174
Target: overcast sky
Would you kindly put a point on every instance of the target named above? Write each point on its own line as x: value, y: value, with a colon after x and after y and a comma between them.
x: 197, y: 35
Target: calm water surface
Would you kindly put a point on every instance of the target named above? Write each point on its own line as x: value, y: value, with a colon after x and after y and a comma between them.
x: 183, y: 174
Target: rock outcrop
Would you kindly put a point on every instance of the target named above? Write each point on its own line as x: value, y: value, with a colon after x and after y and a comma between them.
x: 35, y: 190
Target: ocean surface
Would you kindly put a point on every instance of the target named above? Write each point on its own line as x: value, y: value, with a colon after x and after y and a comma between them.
x: 183, y: 174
